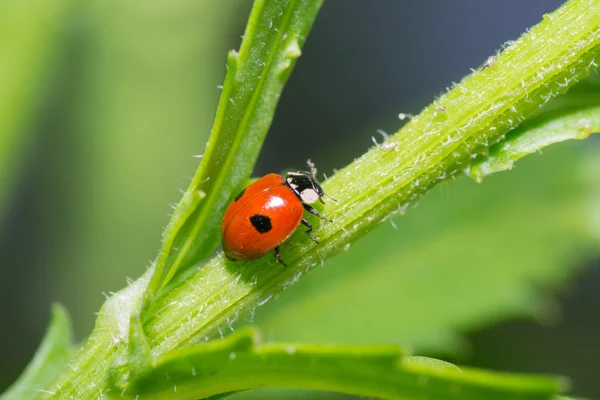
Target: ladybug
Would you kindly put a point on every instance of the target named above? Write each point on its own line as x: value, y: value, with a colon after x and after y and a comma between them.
x: 267, y: 212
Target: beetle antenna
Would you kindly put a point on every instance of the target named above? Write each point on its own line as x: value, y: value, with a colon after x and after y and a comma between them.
x: 313, y: 169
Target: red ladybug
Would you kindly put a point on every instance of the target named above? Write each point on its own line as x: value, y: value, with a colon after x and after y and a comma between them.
x: 267, y: 212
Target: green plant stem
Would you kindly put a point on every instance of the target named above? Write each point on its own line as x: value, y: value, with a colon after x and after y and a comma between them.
x: 436, y: 145
x: 85, y: 375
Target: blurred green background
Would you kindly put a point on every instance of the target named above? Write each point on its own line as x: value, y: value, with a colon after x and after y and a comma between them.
x: 104, y: 103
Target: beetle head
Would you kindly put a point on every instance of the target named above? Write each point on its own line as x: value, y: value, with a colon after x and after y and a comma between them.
x: 306, y: 186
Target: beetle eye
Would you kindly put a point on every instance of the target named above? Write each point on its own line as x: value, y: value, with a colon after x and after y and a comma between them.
x: 309, y: 196
x: 292, y: 183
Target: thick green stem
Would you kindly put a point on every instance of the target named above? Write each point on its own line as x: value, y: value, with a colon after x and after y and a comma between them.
x: 436, y: 145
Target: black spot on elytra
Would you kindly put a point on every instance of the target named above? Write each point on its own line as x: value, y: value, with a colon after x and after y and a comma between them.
x: 240, y: 194
x: 261, y: 223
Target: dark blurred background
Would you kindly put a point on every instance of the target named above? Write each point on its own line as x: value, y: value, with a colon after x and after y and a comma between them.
x: 130, y: 98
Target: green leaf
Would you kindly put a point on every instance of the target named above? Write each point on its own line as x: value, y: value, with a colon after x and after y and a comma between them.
x: 135, y: 361
x: 574, y: 120
x: 468, y: 256
x: 239, y: 362
x: 277, y: 394
x: 31, y: 37
x: 281, y: 393
x: 254, y: 81
x: 49, y: 360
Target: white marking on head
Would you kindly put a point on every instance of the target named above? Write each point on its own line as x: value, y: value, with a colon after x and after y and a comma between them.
x: 290, y: 182
x: 309, y: 196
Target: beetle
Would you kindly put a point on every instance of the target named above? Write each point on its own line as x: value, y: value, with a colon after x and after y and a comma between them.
x: 264, y: 214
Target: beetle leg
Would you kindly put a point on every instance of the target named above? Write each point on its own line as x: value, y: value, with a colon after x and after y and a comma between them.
x: 278, y: 257
x: 314, y: 211
x: 309, y: 230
